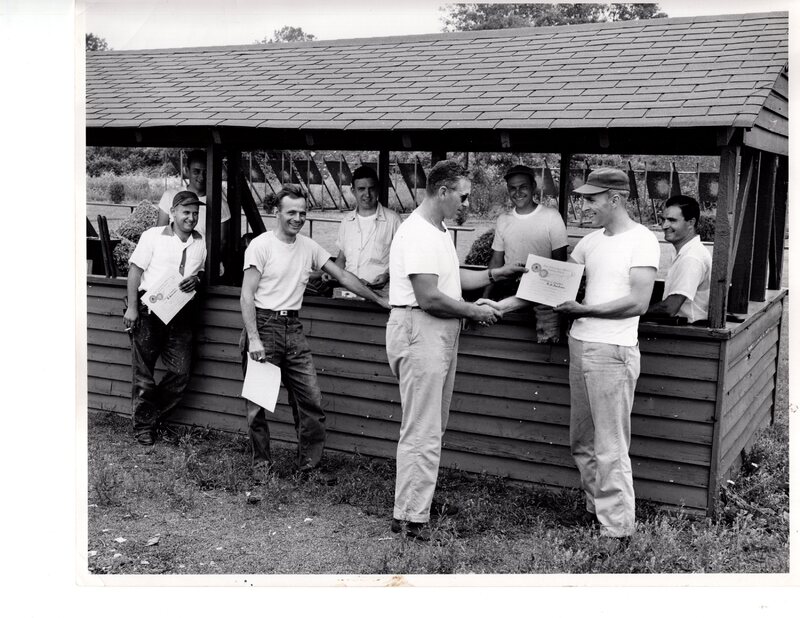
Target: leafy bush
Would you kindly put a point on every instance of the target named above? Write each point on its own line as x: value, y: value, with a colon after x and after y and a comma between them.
x: 706, y: 226
x: 481, y: 250
x: 144, y: 216
x: 116, y: 192
x: 137, y: 187
x: 122, y: 253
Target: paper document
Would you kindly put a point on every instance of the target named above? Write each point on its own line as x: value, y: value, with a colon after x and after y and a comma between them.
x: 262, y: 383
x: 549, y: 282
x: 166, y: 299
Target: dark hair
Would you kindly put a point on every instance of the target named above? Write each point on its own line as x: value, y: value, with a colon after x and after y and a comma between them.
x: 195, y: 156
x: 445, y: 173
x: 690, y: 209
x: 293, y: 192
x: 365, y: 171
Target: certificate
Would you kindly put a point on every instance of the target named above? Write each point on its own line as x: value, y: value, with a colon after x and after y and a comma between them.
x: 549, y: 282
x: 261, y: 383
x: 166, y: 299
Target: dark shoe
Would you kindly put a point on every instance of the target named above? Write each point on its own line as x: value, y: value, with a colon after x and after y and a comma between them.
x: 443, y: 509
x: 146, y: 438
x: 416, y: 531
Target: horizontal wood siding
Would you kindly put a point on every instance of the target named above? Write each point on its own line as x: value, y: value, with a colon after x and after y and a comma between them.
x: 510, y: 409
x: 749, y: 390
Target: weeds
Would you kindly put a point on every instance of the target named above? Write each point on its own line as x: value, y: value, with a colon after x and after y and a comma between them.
x: 196, y: 496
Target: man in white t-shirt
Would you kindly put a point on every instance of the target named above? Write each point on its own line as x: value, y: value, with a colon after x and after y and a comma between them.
x: 422, y: 333
x: 688, y: 282
x: 366, y: 234
x: 195, y: 172
x: 162, y: 251
x: 621, y: 261
x: 529, y: 228
x: 277, y: 265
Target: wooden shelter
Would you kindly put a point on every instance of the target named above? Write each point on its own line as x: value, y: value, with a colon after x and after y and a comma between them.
x: 688, y: 86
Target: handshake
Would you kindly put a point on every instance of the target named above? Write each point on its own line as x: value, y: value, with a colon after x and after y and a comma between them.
x: 486, y: 311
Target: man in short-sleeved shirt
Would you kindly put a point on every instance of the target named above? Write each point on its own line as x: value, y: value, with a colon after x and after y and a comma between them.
x: 621, y: 261
x: 688, y: 283
x: 162, y: 251
x: 365, y: 235
x: 277, y: 265
x: 422, y: 339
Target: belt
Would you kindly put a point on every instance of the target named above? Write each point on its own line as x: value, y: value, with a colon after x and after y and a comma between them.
x: 288, y: 313
x: 405, y: 307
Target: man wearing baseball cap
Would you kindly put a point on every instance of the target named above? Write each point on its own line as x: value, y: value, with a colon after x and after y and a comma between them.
x: 161, y: 251
x: 528, y: 227
x: 621, y: 260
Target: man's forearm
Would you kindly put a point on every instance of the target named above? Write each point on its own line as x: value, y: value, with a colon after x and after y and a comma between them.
x: 249, y: 317
x: 625, y: 307
x: 134, y: 279
x: 512, y: 303
x: 350, y: 282
x: 443, y: 306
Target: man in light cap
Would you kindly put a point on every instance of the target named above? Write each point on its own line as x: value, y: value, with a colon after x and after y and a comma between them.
x: 173, y: 248
x: 527, y: 228
x: 621, y: 260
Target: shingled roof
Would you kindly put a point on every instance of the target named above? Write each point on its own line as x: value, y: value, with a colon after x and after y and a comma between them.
x: 674, y: 72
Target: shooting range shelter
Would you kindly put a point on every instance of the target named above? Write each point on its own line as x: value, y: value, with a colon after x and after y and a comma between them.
x: 687, y: 86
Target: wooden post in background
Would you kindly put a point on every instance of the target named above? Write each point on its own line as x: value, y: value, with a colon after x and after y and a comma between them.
x: 564, y: 189
x: 383, y: 176
x: 438, y: 155
x: 237, y: 185
x: 213, y: 210
x: 747, y: 213
x: 779, y: 225
x: 763, y: 226
x: 718, y: 301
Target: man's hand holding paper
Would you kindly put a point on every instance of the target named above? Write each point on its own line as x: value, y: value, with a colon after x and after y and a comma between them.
x: 166, y: 298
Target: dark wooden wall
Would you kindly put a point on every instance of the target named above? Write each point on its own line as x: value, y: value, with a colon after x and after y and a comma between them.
x: 510, y: 409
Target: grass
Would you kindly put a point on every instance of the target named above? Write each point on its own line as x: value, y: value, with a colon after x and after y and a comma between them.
x: 199, y: 501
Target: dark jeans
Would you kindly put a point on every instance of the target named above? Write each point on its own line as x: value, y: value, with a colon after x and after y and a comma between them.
x: 151, y: 338
x: 286, y: 346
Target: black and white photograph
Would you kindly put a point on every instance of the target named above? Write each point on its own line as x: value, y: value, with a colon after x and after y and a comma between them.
x: 301, y: 356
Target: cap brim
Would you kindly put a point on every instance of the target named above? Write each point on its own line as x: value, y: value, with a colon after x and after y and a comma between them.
x: 590, y: 189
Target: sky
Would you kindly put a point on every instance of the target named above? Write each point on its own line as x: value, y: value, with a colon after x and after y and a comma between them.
x: 149, y: 24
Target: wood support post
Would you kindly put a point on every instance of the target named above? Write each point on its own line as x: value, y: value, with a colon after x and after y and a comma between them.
x: 779, y: 225
x: 383, y: 176
x: 438, y: 155
x: 237, y: 186
x: 763, y: 226
x: 563, y: 185
x: 718, y: 301
x: 747, y: 213
x: 213, y: 210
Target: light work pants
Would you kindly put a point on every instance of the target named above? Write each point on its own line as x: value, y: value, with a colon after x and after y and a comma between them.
x: 422, y: 351
x: 602, y: 380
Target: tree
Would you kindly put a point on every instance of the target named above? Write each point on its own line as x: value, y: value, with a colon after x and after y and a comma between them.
x: 96, y: 43
x: 500, y: 16
x: 287, y: 34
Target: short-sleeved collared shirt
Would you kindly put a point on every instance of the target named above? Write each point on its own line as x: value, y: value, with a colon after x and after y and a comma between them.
x: 420, y: 248
x: 365, y: 242
x: 690, y: 276
x: 284, y: 269
x: 160, y: 252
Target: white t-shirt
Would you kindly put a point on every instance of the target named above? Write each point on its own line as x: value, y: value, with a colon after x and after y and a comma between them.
x: 608, y: 261
x: 539, y: 232
x: 365, y: 242
x: 690, y: 276
x: 284, y: 269
x: 160, y: 252
x: 421, y: 248
x: 166, y: 203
